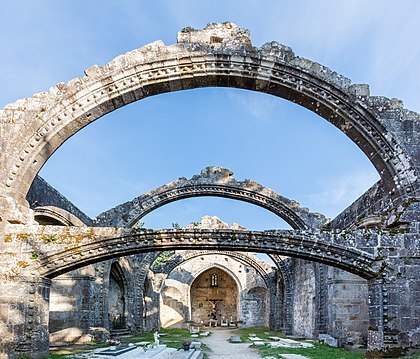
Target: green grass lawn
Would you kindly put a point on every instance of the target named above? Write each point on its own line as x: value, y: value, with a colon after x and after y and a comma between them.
x: 319, y: 351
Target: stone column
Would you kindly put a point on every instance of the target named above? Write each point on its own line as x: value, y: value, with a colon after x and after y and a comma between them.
x: 347, y: 308
x: 394, y: 308
x: 24, y: 312
x: 321, y: 299
x: 276, y: 301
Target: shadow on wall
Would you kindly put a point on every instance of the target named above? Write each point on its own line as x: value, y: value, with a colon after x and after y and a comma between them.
x: 173, y: 311
x: 254, y: 307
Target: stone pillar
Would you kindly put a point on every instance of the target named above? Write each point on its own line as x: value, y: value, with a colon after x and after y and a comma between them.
x: 394, y: 313
x: 24, y: 306
x: 347, y: 308
x: 321, y: 299
x: 276, y: 301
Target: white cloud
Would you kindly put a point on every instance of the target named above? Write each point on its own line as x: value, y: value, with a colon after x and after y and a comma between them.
x: 344, y: 189
x: 256, y: 105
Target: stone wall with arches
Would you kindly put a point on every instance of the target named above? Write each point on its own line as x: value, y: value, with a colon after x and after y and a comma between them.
x: 382, y: 128
x: 212, y: 181
x: 385, y: 254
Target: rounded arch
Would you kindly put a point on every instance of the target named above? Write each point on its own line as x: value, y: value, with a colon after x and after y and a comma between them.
x: 212, y: 181
x: 198, y: 60
x: 117, y: 297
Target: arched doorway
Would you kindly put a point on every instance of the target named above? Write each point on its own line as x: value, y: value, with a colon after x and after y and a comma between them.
x: 116, y: 299
x: 214, y: 298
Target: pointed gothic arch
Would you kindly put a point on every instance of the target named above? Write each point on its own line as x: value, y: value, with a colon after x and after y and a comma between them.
x: 117, y: 297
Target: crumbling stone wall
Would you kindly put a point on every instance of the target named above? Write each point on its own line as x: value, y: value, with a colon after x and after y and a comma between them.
x: 219, y: 55
x: 41, y: 193
x: 346, y: 303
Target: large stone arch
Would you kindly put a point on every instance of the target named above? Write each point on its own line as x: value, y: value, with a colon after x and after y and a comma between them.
x: 265, y: 272
x: 61, y: 254
x: 212, y: 181
x: 201, y: 270
x: 220, y: 55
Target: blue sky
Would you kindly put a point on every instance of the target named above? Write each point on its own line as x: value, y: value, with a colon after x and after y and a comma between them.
x: 257, y: 136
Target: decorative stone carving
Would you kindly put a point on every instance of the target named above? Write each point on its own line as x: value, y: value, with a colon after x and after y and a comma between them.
x: 220, y: 55
x: 215, y: 181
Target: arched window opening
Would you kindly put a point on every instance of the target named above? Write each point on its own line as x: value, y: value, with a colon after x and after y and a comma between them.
x: 214, y: 282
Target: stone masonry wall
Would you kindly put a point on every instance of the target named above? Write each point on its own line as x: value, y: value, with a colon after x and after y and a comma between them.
x: 348, y: 309
x: 42, y: 193
x: 304, y: 299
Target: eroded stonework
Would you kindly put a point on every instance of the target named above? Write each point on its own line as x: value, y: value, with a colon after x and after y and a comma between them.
x: 212, y: 181
x: 49, y: 240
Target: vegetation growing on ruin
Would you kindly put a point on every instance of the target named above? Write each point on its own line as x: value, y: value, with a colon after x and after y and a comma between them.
x: 162, y: 258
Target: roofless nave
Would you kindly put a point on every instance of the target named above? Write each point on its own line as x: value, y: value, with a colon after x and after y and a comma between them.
x: 376, y: 238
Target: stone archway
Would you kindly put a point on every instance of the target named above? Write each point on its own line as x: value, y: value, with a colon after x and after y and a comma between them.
x: 73, y: 247
x: 198, y: 60
x: 220, y: 55
x: 174, y: 262
x: 51, y: 215
x: 262, y: 270
x: 212, y: 181
x: 117, y: 296
x: 214, y: 298
x: 62, y: 256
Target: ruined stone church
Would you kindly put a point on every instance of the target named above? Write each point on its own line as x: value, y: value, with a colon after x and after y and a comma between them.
x: 212, y: 288
x: 66, y: 277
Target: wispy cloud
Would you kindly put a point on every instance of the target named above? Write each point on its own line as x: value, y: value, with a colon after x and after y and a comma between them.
x: 255, y: 105
x: 339, y: 191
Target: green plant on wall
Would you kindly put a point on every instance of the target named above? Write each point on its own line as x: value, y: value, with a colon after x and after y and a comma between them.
x: 162, y: 258
x: 138, y: 224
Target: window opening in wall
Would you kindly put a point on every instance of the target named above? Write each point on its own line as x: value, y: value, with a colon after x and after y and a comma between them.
x: 214, y: 280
